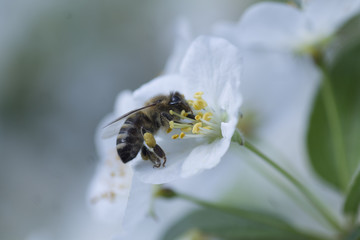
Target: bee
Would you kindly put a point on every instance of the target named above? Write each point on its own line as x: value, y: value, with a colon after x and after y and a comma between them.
x: 142, y: 123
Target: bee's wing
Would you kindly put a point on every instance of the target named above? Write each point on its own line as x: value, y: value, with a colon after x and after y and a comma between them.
x: 113, y: 127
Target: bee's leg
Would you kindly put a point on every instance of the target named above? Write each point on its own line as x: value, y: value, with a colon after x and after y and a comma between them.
x: 190, y: 115
x: 146, y: 154
x: 160, y: 153
x: 167, y: 116
x: 151, y: 143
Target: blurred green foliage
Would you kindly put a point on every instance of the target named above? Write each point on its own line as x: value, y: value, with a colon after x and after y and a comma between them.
x: 344, y: 76
x: 230, y: 226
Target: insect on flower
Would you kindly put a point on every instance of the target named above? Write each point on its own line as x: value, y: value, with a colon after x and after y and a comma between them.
x: 137, y: 132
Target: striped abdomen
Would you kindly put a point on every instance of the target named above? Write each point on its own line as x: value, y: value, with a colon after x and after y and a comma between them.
x: 130, y: 139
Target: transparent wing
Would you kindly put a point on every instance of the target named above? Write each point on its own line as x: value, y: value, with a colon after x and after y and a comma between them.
x: 113, y: 128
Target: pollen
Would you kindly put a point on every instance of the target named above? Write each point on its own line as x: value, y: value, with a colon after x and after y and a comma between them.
x: 175, y: 136
x: 171, y: 124
x: 198, y: 95
x: 186, y: 129
x: 190, y: 102
x: 149, y: 140
x: 200, y: 104
x: 183, y: 113
x: 196, y: 128
x: 182, y: 135
x: 169, y: 130
x: 197, y: 117
x: 207, y: 116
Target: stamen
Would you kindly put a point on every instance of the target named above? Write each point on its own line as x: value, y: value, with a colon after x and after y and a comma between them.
x: 198, y: 95
x: 182, y: 135
x: 200, y: 104
x: 203, y: 124
x: 196, y: 128
x: 149, y: 140
x: 187, y: 129
x: 190, y: 102
x: 169, y: 130
x: 183, y: 113
x: 207, y: 116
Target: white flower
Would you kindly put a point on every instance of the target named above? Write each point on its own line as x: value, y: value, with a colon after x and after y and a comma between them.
x: 109, y: 190
x: 283, y: 27
x: 275, y: 40
x: 210, y: 66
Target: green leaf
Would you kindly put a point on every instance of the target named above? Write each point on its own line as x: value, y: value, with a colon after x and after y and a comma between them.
x: 352, y: 202
x: 227, y: 226
x: 344, y: 77
x: 354, y: 235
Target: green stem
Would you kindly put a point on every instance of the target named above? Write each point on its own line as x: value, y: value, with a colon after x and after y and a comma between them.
x: 335, y: 129
x: 260, y: 218
x: 309, y: 195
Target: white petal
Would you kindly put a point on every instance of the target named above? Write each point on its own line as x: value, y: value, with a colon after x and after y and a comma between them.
x: 228, y: 30
x: 183, y: 38
x: 271, y: 25
x: 272, y: 79
x: 208, y: 65
x: 139, y: 204
x: 109, y: 190
x: 124, y: 103
x: 160, y: 85
x: 205, y: 156
x: 325, y: 16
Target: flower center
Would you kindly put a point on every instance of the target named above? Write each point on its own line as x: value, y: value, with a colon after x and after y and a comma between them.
x: 202, y: 122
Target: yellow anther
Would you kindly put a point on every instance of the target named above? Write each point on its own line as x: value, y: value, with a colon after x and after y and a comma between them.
x: 207, y: 116
x: 171, y: 124
x: 183, y: 113
x: 190, y: 102
x: 196, y: 128
x: 182, y: 135
x: 171, y: 112
x: 199, y: 104
x: 198, y: 95
x: 187, y: 129
x: 175, y: 136
x: 149, y: 140
x: 197, y: 117
x: 169, y: 130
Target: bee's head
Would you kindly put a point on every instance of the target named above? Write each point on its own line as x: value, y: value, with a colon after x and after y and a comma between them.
x: 178, y: 103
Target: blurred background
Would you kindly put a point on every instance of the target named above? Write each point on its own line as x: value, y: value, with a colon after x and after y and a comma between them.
x: 62, y: 63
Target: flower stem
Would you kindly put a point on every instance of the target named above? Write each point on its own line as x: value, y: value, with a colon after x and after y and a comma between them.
x: 335, y: 128
x: 246, y: 214
x: 309, y: 195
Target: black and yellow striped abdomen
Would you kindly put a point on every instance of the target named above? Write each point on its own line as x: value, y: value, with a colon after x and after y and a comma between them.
x: 130, y: 138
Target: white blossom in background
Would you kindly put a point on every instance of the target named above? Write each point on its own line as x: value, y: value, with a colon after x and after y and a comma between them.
x: 281, y: 80
x: 283, y: 27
